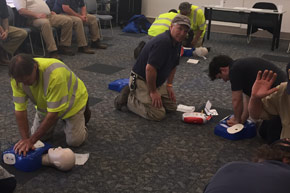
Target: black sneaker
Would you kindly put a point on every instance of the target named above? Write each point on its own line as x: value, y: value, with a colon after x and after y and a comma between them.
x: 120, y: 102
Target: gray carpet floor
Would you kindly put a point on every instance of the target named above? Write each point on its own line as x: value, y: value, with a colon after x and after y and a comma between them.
x: 128, y: 153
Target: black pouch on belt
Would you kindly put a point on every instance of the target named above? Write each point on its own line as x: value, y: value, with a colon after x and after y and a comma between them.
x: 133, y: 84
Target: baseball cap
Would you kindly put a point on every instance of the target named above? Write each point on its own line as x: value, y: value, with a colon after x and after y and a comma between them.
x: 181, y: 20
x: 288, y: 76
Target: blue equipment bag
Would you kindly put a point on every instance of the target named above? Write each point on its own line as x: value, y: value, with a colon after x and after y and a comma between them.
x: 137, y: 24
x: 249, y: 130
x: 118, y: 85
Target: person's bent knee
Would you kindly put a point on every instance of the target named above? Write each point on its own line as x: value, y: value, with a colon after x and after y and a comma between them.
x: 78, y: 20
x: 45, y: 22
x: 23, y: 34
x: 76, y: 141
x: 68, y: 22
x: 156, y: 114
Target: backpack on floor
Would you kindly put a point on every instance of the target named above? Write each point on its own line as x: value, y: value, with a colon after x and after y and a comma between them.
x: 137, y: 24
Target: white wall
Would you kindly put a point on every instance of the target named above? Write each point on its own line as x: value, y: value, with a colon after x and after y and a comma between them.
x: 152, y: 8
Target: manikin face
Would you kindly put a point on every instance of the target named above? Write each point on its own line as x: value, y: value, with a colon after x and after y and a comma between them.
x: 178, y: 32
x: 224, y: 74
x: 30, y: 79
x: 62, y: 158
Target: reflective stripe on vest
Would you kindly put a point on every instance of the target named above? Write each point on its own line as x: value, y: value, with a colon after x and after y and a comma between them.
x: 164, y: 18
x: 163, y: 24
x: 64, y: 99
x: 47, y: 73
x: 72, y: 99
x: 29, y: 94
x: 58, y: 103
x: 202, y: 25
x: 19, y: 99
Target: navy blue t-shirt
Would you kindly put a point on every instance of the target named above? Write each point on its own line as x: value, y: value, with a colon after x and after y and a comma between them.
x: 243, y: 73
x: 162, y: 54
x: 56, y: 5
x: 248, y: 177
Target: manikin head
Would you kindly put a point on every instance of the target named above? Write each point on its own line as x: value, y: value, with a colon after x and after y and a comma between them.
x: 62, y: 158
x: 200, y: 51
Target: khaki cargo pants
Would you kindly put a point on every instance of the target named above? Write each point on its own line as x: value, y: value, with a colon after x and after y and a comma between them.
x: 140, y: 102
x: 74, y: 128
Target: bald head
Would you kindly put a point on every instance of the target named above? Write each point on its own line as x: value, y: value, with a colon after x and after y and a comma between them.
x: 21, y: 65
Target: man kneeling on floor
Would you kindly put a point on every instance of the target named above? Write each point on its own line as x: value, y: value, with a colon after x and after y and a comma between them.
x: 56, y: 92
x: 147, y: 94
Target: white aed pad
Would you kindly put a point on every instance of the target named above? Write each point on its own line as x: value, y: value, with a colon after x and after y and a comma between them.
x: 192, y: 61
x: 235, y: 128
x: 81, y: 159
x: 38, y: 144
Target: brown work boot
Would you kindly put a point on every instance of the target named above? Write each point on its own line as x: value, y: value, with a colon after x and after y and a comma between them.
x: 86, y: 50
x: 55, y: 55
x: 120, y: 102
x: 65, y: 50
x: 97, y: 44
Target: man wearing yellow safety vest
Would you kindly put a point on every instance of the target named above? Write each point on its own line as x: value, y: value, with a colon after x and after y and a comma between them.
x: 56, y: 92
x: 198, y: 23
x: 162, y: 23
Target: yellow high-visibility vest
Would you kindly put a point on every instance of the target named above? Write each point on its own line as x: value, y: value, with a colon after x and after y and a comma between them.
x: 161, y: 24
x: 57, y: 89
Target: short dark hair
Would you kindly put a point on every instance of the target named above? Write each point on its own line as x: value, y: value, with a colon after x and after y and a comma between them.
x: 216, y: 63
x: 276, y: 151
x: 185, y: 7
x: 21, y: 65
x: 172, y: 10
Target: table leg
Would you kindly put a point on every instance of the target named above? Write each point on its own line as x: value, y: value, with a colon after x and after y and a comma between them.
x: 278, y: 30
x: 209, y: 22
